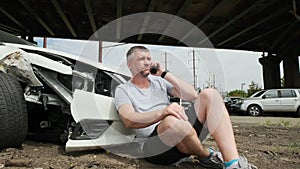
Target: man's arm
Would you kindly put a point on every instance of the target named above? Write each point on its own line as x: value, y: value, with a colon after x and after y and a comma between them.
x: 133, y: 119
x: 181, y: 88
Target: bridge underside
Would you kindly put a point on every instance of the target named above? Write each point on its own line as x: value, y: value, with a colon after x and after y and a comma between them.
x: 271, y: 68
x: 263, y: 25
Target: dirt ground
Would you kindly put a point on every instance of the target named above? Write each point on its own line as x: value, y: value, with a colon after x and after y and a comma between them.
x: 268, y: 142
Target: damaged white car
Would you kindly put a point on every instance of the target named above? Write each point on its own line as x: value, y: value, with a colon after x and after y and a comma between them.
x: 42, y: 93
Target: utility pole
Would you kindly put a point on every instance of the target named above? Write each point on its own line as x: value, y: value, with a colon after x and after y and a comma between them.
x: 194, y: 68
x: 214, y: 81
x: 166, y: 61
x: 194, y: 72
x: 242, y: 90
x: 45, y: 42
x: 100, y: 52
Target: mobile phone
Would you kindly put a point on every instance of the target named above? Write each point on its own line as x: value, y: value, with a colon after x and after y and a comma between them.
x: 153, y: 69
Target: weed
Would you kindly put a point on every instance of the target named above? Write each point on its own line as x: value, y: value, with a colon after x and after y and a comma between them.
x: 294, y: 146
x: 266, y: 123
x: 284, y: 123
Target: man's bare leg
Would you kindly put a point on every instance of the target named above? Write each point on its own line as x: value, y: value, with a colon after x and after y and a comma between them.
x: 210, y: 109
x: 173, y: 131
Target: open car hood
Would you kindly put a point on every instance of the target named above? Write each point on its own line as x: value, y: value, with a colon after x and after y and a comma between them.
x: 94, y: 112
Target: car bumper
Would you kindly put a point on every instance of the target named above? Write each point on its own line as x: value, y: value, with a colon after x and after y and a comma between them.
x: 243, y: 107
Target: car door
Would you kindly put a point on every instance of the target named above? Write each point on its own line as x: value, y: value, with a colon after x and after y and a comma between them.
x: 288, y: 100
x: 271, y: 101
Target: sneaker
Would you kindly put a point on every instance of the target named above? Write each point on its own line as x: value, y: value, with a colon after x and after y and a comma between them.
x: 243, y: 164
x: 214, y: 161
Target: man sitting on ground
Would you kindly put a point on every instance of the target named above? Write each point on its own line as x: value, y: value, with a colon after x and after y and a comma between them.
x: 143, y: 104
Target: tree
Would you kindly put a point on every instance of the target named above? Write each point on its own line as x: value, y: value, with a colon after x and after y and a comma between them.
x: 253, y: 87
x: 239, y: 93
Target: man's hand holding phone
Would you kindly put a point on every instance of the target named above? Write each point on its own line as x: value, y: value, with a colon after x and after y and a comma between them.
x: 155, y: 69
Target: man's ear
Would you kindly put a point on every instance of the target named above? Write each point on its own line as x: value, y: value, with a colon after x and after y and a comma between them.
x: 129, y: 65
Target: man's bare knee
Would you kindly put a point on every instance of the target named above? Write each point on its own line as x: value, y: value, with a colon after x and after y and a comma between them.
x: 167, y: 123
x: 210, y: 108
x: 209, y: 94
x: 172, y: 130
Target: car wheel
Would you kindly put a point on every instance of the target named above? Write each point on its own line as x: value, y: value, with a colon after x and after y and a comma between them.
x: 13, y: 112
x: 254, y: 110
x: 298, y: 112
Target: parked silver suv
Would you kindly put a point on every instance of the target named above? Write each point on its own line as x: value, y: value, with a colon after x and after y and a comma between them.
x: 272, y: 100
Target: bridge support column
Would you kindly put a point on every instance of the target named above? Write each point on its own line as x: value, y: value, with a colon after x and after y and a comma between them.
x: 291, y: 69
x: 271, y: 71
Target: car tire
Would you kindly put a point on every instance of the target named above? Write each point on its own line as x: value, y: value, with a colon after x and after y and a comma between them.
x: 13, y: 112
x: 298, y: 112
x: 254, y: 110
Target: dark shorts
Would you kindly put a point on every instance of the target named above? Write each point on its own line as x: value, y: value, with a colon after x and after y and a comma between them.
x: 155, y: 151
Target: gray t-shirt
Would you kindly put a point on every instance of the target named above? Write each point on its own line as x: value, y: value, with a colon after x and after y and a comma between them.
x: 144, y: 100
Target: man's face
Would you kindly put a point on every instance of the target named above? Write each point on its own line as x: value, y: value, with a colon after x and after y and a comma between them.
x: 139, y: 63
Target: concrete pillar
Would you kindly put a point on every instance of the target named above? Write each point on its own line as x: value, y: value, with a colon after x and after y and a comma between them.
x: 23, y: 36
x: 271, y: 71
x: 291, y: 69
x: 30, y: 38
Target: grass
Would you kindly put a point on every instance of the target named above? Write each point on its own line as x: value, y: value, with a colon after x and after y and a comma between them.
x: 294, y: 146
x: 283, y: 123
x: 266, y: 123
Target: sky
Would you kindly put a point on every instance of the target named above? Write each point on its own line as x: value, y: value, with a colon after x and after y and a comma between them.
x: 227, y: 70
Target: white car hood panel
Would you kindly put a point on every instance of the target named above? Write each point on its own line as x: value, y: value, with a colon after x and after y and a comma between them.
x: 86, y: 105
x: 7, y: 50
x: 48, y: 63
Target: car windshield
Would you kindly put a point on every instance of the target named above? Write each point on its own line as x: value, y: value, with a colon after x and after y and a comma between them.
x: 257, y: 94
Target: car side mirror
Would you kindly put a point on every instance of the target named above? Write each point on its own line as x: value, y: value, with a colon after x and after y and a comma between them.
x: 264, y: 96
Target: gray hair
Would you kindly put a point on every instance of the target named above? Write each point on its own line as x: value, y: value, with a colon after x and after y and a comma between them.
x: 134, y: 49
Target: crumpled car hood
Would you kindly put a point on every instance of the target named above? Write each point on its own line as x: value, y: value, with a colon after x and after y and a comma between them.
x: 19, y: 63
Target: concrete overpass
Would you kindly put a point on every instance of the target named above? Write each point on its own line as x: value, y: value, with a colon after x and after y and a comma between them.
x: 270, y: 26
